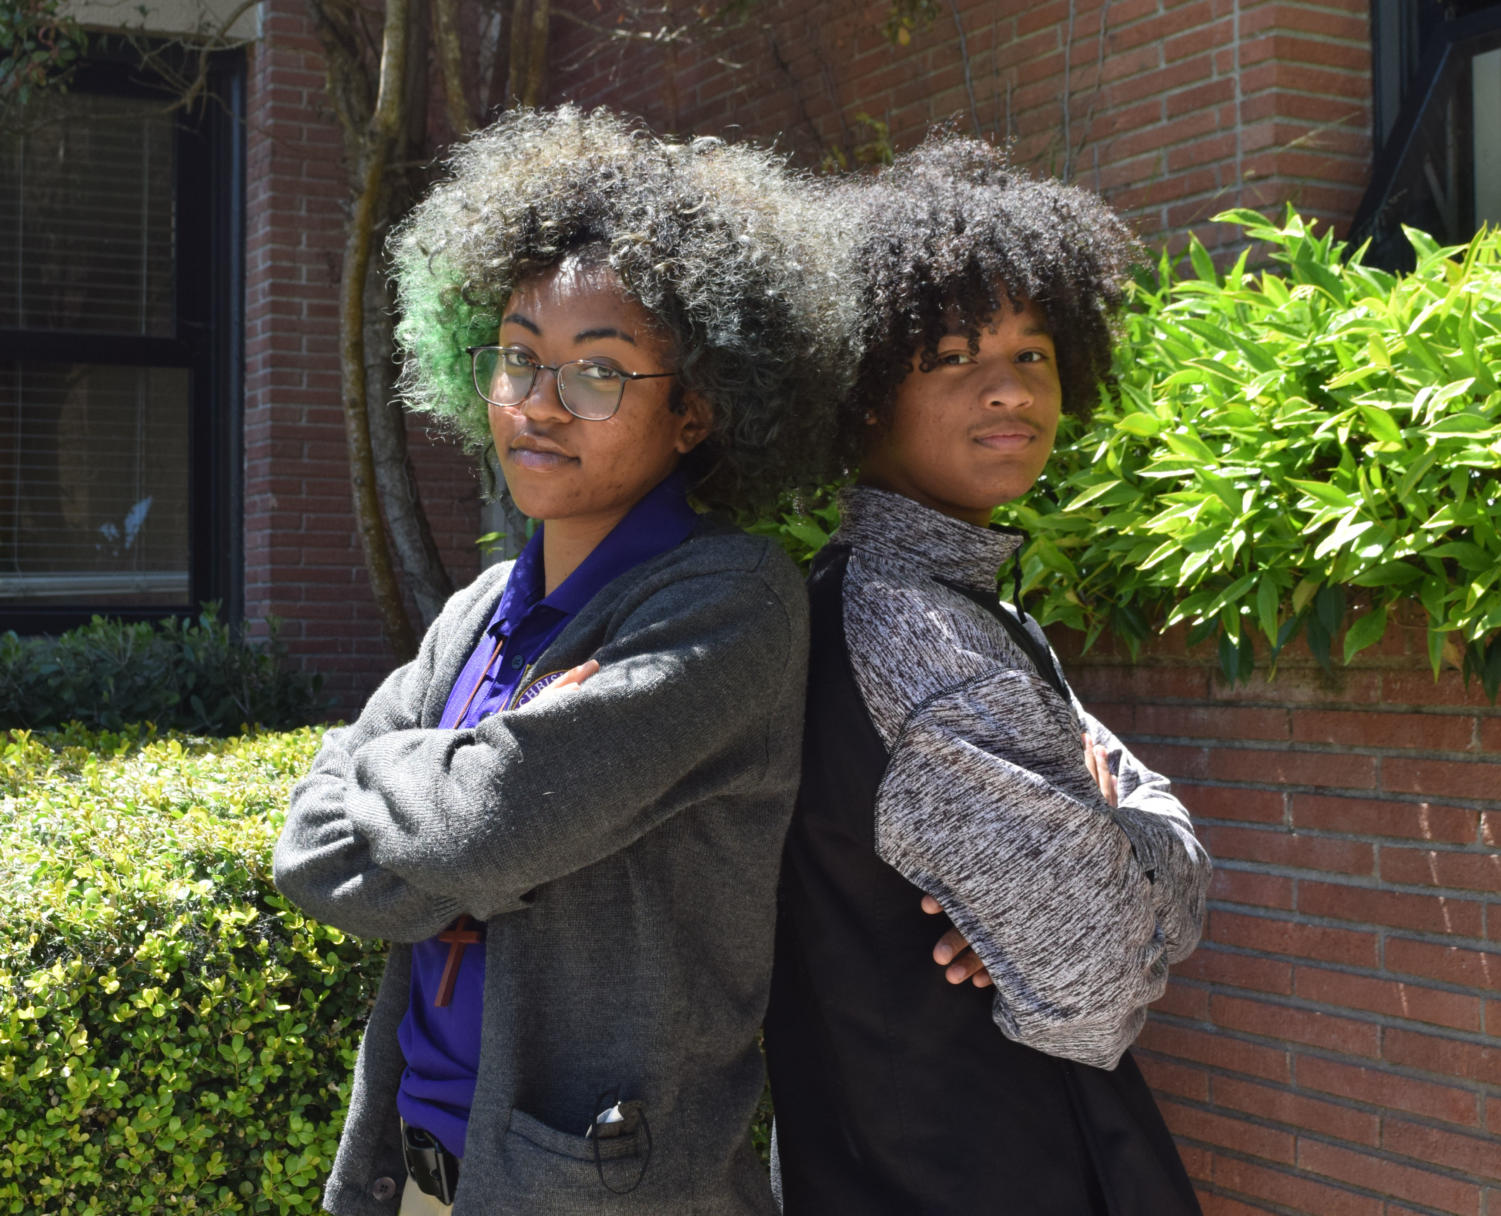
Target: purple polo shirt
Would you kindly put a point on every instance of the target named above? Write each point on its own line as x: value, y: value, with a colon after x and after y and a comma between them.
x: 441, y: 1043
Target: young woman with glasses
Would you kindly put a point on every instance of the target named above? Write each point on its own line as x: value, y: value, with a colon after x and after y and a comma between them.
x: 567, y: 811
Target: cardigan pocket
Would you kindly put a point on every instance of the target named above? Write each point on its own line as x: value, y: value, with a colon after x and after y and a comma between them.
x: 541, y: 1163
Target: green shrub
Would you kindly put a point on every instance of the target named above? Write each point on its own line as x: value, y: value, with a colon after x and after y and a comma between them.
x: 193, y: 676
x: 174, y: 1036
x: 1276, y: 440
x: 1284, y: 453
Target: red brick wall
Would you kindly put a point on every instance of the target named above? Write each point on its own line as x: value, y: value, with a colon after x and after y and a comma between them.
x: 1187, y: 108
x: 302, y: 557
x: 1334, y: 1045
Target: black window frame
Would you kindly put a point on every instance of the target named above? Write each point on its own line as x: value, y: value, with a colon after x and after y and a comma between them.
x: 209, y: 343
x: 1421, y: 51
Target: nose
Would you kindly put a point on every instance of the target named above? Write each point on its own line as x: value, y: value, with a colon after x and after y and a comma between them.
x: 542, y: 399
x: 1003, y: 385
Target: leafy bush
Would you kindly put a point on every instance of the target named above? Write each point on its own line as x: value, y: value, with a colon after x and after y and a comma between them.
x: 1275, y: 440
x: 1284, y: 453
x: 40, y: 44
x: 174, y: 1036
x: 181, y: 675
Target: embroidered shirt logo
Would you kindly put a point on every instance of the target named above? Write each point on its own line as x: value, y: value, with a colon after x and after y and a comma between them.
x: 529, y: 691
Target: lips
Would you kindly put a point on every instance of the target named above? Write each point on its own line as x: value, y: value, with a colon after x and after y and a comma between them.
x: 1007, y: 439
x: 535, y: 452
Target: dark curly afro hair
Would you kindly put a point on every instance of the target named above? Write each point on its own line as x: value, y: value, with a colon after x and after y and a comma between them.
x: 953, y: 226
x: 723, y: 245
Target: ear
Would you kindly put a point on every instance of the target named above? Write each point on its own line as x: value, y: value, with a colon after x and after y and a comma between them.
x: 694, y: 423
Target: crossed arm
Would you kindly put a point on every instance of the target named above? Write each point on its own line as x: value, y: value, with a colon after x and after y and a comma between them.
x: 400, y: 827
x: 952, y: 952
x: 1072, y: 905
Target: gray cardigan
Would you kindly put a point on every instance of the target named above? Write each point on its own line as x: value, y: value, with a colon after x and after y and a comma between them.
x: 622, y: 843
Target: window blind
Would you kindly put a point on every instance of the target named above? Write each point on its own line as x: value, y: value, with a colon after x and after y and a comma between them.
x: 94, y: 483
x: 87, y: 190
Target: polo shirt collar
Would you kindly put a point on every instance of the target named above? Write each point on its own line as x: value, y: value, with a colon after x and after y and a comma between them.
x: 660, y: 521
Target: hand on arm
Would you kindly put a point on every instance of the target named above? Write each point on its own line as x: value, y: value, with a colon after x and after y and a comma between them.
x: 1097, y: 761
x: 322, y: 861
x: 986, y: 805
x: 569, y: 681
x: 1163, y: 839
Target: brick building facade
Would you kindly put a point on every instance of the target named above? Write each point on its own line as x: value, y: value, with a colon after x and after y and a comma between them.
x: 1333, y: 1048
x: 302, y: 562
x: 1174, y: 111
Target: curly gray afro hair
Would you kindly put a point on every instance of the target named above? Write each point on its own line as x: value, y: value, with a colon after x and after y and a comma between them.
x: 721, y: 243
x: 952, y: 226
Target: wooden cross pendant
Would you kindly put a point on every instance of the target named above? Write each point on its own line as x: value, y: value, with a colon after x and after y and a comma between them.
x: 458, y: 935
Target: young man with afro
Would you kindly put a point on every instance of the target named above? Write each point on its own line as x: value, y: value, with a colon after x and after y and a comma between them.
x: 948, y: 767
x: 566, y: 813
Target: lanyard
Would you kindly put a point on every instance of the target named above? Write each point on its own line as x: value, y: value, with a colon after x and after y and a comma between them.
x: 500, y: 642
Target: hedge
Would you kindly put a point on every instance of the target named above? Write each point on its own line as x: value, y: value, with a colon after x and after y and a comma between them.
x: 173, y: 1035
x: 191, y: 675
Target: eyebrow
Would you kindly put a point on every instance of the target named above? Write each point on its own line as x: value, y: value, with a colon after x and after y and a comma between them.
x: 584, y: 335
x: 517, y: 318
x: 1032, y: 331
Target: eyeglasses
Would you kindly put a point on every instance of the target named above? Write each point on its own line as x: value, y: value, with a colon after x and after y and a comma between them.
x: 504, y: 375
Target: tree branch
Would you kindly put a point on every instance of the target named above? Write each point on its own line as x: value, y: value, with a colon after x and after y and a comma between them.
x: 969, y: 80
x: 536, y: 54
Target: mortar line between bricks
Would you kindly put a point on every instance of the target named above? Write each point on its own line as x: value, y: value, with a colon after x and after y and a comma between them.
x: 1382, y: 1021
x: 1294, y: 1170
x: 1300, y: 748
x: 1315, y: 36
x: 1426, y: 936
x: 1380, y: 1152
x: 1226, y: 1110
x: 1367, y: 882
x: 1489, y: 711
x: 1373, y: 838
x: 1469, y: 849
x: 1260, y: 1202
x: 1381, y: 972
x: 1219, y: 783
x: 1343, y: 791
x: 1392, y: 1157
x: 1471, y: 1086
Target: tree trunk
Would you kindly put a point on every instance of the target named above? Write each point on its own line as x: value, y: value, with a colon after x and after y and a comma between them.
x: 527, y: 82
x: 401, y: 502
x: 374, y: 155
x: 451, y: 66
x: 535, y: 92
x: 396, y: 479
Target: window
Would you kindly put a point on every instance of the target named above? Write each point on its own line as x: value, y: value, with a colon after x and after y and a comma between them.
x: 119, y: 350
x: 1436, y: 71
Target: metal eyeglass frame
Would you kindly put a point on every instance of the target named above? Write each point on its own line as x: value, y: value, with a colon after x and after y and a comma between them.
x: 557, y: 371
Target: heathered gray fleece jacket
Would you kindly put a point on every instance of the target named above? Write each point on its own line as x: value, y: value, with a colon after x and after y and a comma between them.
x: 622, y: 843
x: 1076, y: 907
